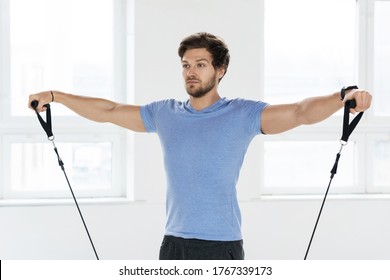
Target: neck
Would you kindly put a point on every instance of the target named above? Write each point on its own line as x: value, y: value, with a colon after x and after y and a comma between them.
x: 204, y: 101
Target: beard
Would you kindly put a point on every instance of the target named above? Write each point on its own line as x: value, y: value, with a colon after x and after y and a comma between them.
x: 199, y: 90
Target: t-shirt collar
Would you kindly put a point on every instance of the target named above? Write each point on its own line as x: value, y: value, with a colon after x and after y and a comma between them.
x: 212, y: 108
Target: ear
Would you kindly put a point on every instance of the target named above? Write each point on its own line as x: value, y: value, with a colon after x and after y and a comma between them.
x: 221, y: 72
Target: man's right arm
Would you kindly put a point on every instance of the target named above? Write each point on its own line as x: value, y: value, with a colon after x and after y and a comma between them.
x: 95, y: 109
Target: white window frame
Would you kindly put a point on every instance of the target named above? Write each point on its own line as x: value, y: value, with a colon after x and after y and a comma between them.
x: 19, y: 129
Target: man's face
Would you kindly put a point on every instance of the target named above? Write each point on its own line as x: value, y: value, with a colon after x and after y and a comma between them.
x: 199, y: 74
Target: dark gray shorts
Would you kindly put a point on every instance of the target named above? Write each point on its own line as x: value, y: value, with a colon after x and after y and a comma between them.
x: 177, y: 248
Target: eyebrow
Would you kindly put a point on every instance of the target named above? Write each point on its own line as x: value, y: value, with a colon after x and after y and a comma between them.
x: 198, y: 60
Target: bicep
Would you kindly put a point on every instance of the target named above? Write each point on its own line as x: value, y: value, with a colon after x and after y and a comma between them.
x: 279, y: 118
x: 127, y: 116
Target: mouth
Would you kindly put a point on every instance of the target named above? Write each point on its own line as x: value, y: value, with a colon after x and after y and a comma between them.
x: 192, y: 81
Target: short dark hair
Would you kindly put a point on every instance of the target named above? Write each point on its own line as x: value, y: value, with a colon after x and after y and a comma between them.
x: 213, y: 44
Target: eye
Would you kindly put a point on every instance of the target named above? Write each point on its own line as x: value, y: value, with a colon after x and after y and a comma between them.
x: 185, y: 66
x: 201, y: 65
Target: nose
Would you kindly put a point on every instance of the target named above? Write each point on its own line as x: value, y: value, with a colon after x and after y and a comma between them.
x: 190, y: 72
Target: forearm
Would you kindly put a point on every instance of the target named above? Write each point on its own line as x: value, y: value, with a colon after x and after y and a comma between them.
x: 316, y: 109
x: 92, y: 108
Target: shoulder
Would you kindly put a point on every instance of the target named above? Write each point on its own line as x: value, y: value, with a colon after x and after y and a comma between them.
x: 161, y: 104
x: 247, y: 104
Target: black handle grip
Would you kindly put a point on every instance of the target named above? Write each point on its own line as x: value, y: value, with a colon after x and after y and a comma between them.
x: 350, y: 103
x: 34, y: 104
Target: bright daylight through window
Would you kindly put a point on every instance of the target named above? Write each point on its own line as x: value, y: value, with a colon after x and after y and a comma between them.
x: 314, y: 48
x: 52, y: 44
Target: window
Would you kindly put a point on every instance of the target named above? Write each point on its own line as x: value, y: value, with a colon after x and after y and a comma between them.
x: 307, y: 167
x: 379, y: 162
x: 306, y: 51
x: 64, y: 45
x: 74, y: 46
x: 33, y: 168
x: 314, y: 48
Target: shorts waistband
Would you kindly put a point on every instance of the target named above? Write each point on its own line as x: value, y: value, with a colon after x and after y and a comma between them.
x: 195, y: 241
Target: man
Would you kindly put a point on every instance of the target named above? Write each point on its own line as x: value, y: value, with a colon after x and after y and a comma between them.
x: 204, y: 141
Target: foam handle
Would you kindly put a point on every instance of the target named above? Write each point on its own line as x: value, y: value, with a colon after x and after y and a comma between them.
x: 351, y: 103
x: 34, y: 104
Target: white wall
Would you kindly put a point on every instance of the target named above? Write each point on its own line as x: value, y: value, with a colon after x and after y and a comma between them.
x: 273, y: 229
x: 357, y: 229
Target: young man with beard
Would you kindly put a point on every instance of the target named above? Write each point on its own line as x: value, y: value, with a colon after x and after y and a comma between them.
x: 204, y: 141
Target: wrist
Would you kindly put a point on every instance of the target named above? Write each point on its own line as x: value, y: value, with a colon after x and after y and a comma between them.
x: 56, y: 96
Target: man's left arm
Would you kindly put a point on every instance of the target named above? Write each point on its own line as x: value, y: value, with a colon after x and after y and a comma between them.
x: 280, y: 118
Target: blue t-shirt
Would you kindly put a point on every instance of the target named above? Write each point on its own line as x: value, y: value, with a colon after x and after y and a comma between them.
x: 203, y: 154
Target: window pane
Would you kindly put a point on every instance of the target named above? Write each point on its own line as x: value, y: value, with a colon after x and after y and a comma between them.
x: 306, y: 165
x: 382, y: 58
x: 309, y: 48
x: 381, y: 164
x: 60, y: 44
x: 34, y: 167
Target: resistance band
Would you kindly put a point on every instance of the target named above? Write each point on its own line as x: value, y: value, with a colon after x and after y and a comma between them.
x: 48, y: 129
x: 347, y: 131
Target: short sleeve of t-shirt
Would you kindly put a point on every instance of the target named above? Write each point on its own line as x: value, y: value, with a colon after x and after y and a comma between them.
x: 149, y: 114
x: 251, y: 112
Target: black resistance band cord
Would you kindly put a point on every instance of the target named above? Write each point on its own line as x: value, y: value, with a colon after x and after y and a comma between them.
x: 347, y: 131
x: 48, y: 129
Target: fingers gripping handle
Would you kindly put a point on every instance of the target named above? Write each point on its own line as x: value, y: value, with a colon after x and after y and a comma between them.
x: 350, y: 103
x: 45, y: 125
x: 34, y: 104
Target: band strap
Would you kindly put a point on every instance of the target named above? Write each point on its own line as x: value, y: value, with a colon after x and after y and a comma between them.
x: 46, y: 125
x: 348, y: 128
